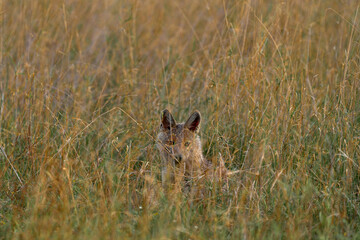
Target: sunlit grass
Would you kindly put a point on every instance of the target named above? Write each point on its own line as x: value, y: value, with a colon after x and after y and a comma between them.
x: 82, y: 85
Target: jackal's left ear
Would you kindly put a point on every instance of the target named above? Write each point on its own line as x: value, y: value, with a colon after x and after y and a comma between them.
x: 193, y: 123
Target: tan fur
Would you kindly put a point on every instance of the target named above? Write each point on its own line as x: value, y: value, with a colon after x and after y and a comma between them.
x: 181, y: 152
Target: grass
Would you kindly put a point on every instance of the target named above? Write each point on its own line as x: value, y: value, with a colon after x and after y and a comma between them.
x: 83, y: 84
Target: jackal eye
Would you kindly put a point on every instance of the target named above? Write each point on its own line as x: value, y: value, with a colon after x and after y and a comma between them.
x: 187, y: 144
x: 171, y: 142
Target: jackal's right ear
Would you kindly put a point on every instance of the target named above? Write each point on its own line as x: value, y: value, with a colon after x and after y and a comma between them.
x: 167, y: 120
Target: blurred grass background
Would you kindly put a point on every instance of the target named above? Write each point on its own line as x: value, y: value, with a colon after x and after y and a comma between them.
x: 82, y: 85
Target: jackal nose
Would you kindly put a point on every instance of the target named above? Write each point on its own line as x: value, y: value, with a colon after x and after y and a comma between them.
x: 178, y: 158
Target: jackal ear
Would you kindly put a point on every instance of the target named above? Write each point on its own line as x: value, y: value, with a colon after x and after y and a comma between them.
x: 193, y: 123
x: 167, y: 120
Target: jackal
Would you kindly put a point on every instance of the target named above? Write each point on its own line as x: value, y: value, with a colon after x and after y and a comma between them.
x: 181, y: 152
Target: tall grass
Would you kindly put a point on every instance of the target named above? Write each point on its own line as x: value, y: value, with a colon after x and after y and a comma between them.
x: 82, y: 85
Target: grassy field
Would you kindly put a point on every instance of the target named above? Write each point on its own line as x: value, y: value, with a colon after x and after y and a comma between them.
x: 82, y: 85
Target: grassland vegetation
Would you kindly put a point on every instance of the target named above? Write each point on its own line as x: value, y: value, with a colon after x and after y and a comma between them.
x: 82, y: 86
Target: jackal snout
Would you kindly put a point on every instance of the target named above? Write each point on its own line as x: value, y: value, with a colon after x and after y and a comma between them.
x: 178, y: 158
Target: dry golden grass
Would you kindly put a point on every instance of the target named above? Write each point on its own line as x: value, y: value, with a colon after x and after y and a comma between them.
x: 82, y: 84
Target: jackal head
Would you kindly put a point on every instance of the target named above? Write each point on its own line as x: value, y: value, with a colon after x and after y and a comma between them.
x: 179, y: 142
